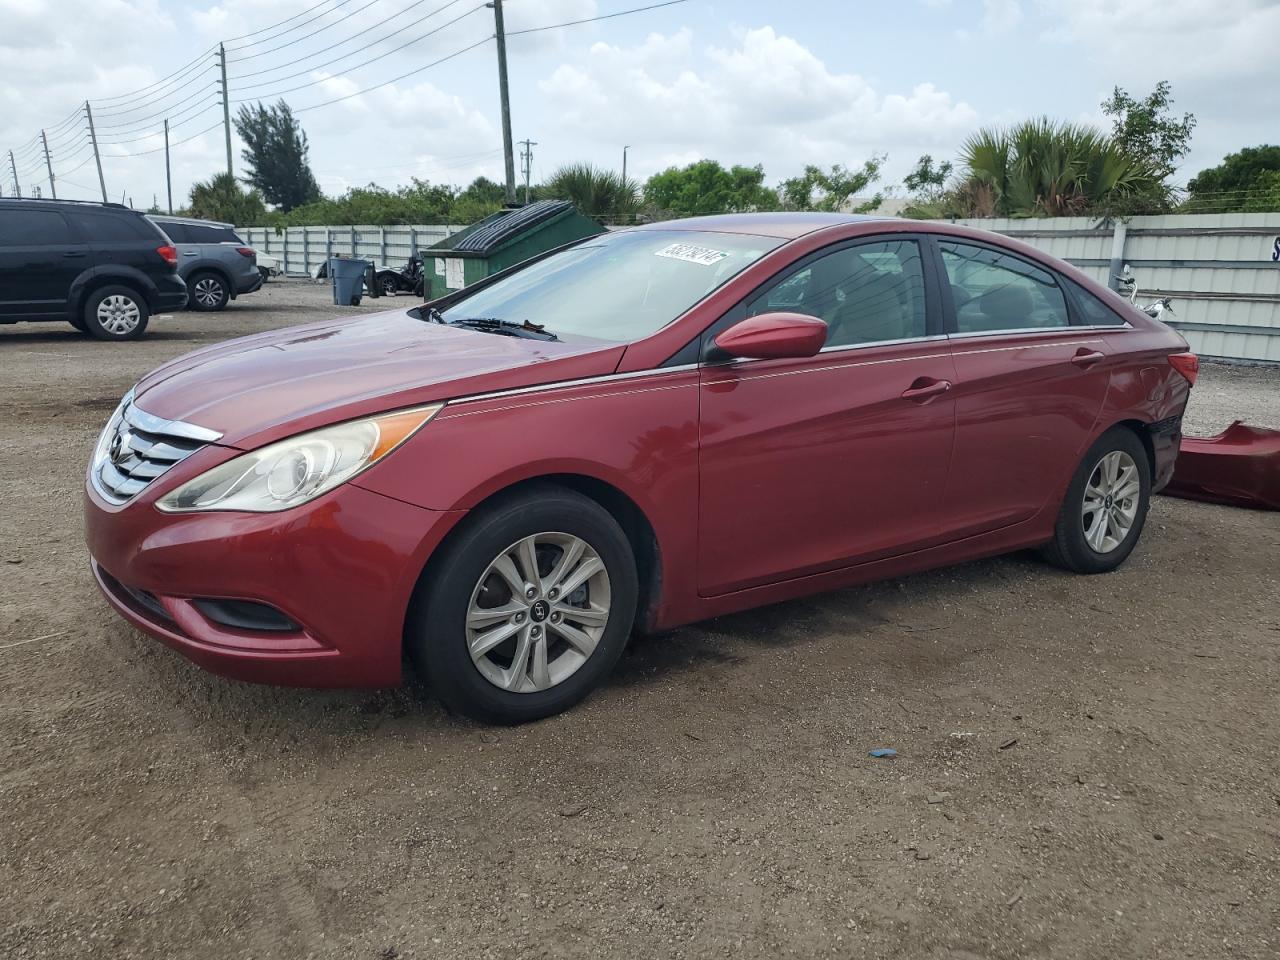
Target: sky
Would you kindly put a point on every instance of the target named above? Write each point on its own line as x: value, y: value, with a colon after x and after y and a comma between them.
x: 750, y: 82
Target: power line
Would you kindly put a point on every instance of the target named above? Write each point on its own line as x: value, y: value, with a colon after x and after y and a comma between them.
x: 316, y: 53
x: 378, y: 86
x: 309, y: 10
x: 306, y: 36
x: 143, y: 153
x: 356, y: 67
x: 182, y: 71
x: 603, y: 16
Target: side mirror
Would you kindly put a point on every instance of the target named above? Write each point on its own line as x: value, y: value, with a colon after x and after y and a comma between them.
x: 774, y: 336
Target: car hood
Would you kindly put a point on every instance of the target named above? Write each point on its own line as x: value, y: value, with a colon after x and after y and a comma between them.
x: 261, y: 388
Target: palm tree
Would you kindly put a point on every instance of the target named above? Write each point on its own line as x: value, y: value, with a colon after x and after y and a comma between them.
x: 593, y: 190
x: 1043, y: 168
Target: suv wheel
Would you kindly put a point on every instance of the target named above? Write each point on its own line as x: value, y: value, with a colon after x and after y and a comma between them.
x: 389, y: 284
x: 208, y: 292
x: 116, y: 313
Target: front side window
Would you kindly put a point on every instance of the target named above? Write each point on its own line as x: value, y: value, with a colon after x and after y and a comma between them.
x: 618, y: 286
x: 866, y: 293
x: 993, y: 291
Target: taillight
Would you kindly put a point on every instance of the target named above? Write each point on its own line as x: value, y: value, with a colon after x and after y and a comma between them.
x: 246, y: 251
x: 168, y: 254
x: 1187, y: 364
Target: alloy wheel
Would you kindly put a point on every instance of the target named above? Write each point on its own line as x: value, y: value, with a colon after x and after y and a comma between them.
x: 1111, y: 498
x: 118, y: 314
x: 538, y: 612
x: 208, y: 292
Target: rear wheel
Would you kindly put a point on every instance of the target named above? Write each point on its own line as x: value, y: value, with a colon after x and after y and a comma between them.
x: 1106, y: 506
x: 207, y: 292
x: 115, y: 313
x: 390, y: 285
x: 78, y: 323
x: 527, y: 609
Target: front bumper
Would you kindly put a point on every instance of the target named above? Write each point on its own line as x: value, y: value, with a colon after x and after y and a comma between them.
x: 343, y: 568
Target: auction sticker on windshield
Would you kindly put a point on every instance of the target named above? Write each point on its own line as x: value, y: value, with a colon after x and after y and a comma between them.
x: 692, y: 253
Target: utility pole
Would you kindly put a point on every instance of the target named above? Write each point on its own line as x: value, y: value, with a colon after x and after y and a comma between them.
x: 17, y: 187
x: 501, y: 35
x: 97, y: 157
x: 624, y: 164
x: 526, y: 164
x: 226, y: 103
x: 53, y: 191
x: 168, y: 179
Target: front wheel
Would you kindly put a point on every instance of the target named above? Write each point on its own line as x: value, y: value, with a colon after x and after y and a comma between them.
x: 390, y: 286
x: 1106, y: 506
x: 527, y: 609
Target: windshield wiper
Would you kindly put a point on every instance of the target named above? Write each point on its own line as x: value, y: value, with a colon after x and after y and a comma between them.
x: 433, y: 315
x: 507, y: 328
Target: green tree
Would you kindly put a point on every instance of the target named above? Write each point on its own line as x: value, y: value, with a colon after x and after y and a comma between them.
x: 481, y: 198
x: 275, y: 152
x: 706, y: 187
x: 1146, y: 129
x: 1243, y: 181
x: 594, y: 191
x: 222, y: 198
x: 927, y: 188
x: 1040, y: 168
x: 831, y: 190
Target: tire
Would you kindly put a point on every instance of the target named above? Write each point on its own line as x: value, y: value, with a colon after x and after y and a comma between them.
x: 264, y: 273
x: 390, y: 285
x: 78, y: 323
x: 207, y: 292
x: 116, y: 313
x: 1079, y: 544
x: 463, y: 583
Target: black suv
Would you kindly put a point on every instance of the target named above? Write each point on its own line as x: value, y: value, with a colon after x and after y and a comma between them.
x: 100, y: 266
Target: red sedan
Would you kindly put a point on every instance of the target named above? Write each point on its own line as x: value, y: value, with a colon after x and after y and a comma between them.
x: 647, y: 428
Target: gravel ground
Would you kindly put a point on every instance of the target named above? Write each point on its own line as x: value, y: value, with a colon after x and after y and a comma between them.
x: 1087, y: 766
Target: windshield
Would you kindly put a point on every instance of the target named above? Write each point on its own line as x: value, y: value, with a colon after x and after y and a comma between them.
x: 617, y: 286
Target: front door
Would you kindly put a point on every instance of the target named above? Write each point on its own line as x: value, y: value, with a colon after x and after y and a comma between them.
x: 1029, y: 385
x: 818, y: 463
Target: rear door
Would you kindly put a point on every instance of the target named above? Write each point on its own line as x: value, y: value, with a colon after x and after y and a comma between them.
x: 1029, y: 385
x: 39, y: 261
x: 818, y: 463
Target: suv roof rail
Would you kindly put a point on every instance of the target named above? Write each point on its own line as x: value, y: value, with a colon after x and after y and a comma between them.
x: 91, y: 203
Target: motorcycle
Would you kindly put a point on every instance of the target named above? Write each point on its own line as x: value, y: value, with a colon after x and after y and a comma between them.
x: 1128, y: 284
x: 410, y: 279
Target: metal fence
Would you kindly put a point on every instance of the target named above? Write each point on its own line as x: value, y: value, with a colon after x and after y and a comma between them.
x: 301, y: 250
x: 1221, y: 269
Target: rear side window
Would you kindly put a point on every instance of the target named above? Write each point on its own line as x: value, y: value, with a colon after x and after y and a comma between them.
x: 994, y: 291
x: 33, y: 228
x: 177, y: 232
x: 209, y: 233
x: 1093, y: 312
x: 107, y: 228
x: 866, y: 293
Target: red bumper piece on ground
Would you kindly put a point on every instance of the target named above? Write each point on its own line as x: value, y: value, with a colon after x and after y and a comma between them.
x: 1240, y: 467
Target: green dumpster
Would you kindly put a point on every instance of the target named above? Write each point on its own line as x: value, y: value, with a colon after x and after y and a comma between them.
x: 500, y: 241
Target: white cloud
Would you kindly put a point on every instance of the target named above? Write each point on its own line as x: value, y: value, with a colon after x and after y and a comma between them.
x: 766, y: 99
x: 1001, y: 16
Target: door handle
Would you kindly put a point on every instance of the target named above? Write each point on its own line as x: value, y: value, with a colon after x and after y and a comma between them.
x: 190, y: 253
x: 924, y: 388
x: 1087, y: 358
x: 74, y: 253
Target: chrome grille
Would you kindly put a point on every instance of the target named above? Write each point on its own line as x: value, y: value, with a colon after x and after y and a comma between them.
x: 137, y: 447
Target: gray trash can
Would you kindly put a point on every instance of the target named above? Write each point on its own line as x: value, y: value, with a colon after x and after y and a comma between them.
x: 347, y: 276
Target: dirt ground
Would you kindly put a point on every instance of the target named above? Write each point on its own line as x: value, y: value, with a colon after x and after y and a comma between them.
x: 1087, y: 768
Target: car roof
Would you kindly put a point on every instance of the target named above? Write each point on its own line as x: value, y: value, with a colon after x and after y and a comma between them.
x: 166, y: 218
x: 786, y: 225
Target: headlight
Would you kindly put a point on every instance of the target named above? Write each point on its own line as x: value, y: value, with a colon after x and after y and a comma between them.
x: 293, y: 471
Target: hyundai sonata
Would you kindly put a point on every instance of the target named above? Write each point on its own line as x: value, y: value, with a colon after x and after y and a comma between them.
x: 646, y: 428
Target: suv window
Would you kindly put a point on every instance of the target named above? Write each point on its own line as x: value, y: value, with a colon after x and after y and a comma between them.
x: 177, y: 232
x: 33, y: 228
x: 208, y: 233
x: 994, y: 291
x: 866, y: 293
x: 105, y: 227
x: 1093, y: 311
